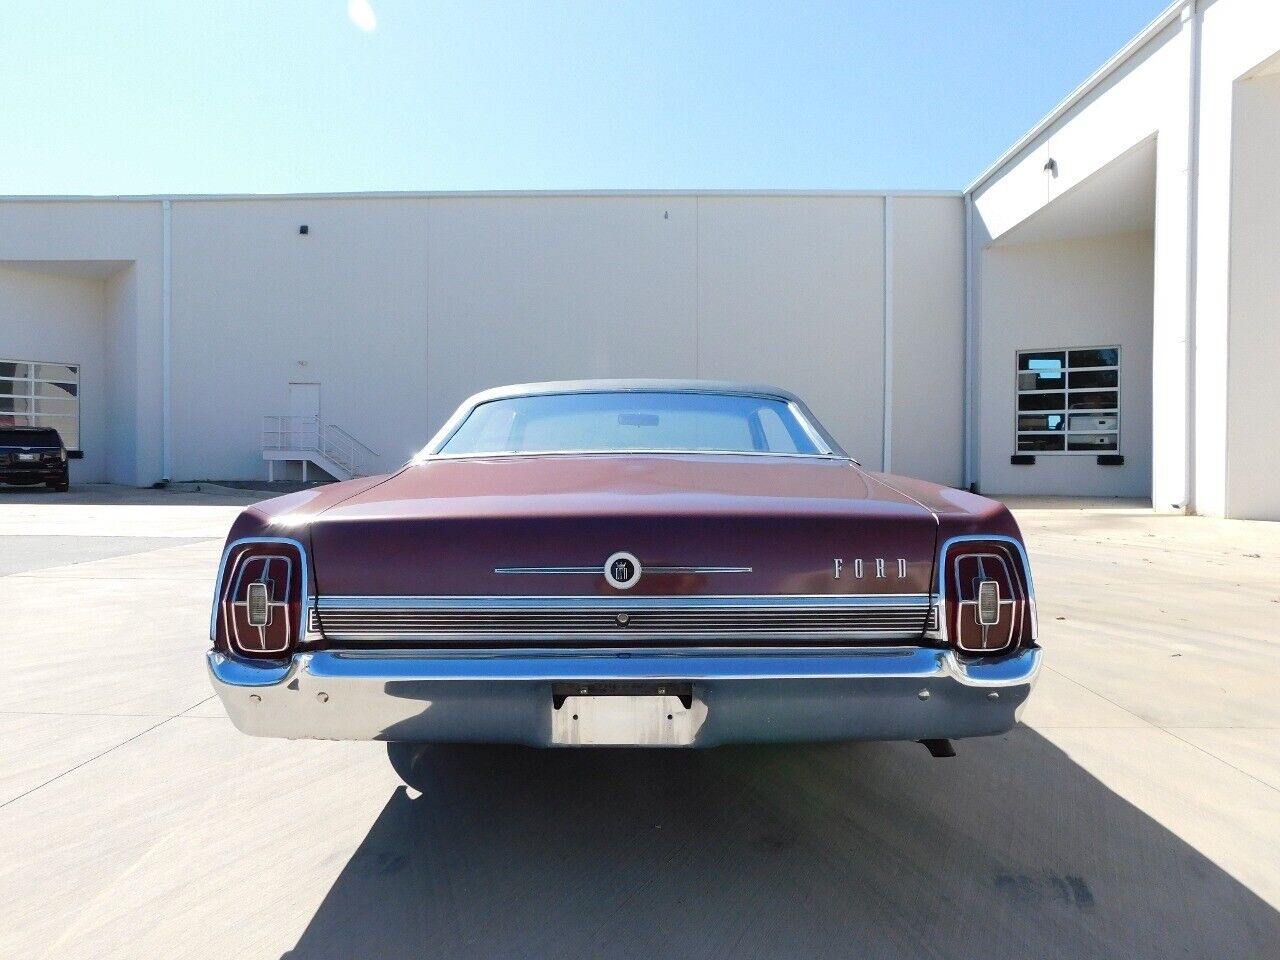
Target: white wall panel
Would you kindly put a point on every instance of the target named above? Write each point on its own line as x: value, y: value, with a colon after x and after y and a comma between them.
x: 1239, y: 38
x: 928, y: 338
x: 791, y: 292
x: 1253, y: 384
x: 550, y: 288
x: 106, y: 237
x: 1075, y: 293
x: 401, y: 306
x: 256, y: 305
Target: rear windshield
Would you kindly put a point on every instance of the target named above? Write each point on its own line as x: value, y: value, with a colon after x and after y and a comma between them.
x: 29, y: 438
x: 634, y: 421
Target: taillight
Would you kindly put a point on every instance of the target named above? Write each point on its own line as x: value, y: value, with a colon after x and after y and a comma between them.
x: 261, y: 602
x: 986, y: 600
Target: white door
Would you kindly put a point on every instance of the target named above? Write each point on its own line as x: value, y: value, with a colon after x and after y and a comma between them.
x: 304, y: 413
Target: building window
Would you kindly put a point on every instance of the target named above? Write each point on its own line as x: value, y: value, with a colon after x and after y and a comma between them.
x: 38, y: 394
x: 1069, y: 400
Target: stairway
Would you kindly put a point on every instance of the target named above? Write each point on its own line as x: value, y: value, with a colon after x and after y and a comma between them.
x: 312, y: 442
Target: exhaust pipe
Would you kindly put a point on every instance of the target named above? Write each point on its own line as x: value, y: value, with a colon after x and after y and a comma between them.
x: 938, y: 748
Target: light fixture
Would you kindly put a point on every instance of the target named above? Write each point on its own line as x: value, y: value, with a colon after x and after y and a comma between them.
x: 256, y: 604
x: 988, y: 603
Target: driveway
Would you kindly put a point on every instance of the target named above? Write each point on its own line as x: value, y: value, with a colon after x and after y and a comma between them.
x: 1135, y: 813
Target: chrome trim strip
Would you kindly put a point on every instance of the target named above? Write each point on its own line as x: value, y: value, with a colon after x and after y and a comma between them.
x: 914, y: 663
x: 597, y: 569
x: 625, y: 452
x: 513, y: 621
x: 720, y: 601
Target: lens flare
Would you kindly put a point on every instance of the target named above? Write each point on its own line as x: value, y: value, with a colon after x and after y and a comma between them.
x: 361, y: 14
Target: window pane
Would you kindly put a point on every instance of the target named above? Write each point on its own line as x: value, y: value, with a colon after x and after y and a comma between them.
x: 1047, y: 360
x: 775, y: 431
x: 1094, y: 422
x: 1040, y: 380
x: 15, y: 388
x: 65, y: 408
x: 67, y: 428
x: 1030, y: 443
x: 1093, y: 378
x: 1105, y: 357
x: 60, y: 391
x: 1044, y: 421
x: 1092, y: 441
x: 15, y: 419
x: 1041, y: 401
x: 15, y: 370
x: 630, y: 421
x: 1101, y: 400
x: 57, y: 371
x: 14, y: 405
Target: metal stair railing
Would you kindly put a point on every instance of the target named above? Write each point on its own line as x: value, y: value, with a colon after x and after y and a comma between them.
x: 344, y: 449
x: 312, y: 434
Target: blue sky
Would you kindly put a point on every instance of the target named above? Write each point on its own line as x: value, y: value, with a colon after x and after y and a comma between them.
x: 301, y: 95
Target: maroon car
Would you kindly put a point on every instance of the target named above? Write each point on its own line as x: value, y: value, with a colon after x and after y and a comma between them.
x: 653, y: 563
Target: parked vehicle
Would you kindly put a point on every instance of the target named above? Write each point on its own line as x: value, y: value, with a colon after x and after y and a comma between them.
x: 655, y: 563
x: 33, y: 455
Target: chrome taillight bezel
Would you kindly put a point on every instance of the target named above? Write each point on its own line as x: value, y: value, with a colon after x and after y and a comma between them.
x: 235, y: 556
x: 1026, y: 627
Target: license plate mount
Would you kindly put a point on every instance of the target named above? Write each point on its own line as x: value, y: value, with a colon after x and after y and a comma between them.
x: 653, y: 714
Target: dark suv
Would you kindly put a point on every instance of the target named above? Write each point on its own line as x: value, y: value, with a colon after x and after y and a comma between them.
x: 31, y: 455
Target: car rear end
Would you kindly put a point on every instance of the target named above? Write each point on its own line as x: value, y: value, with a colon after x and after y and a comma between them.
x: 462, y: 619
x: 31, y: 456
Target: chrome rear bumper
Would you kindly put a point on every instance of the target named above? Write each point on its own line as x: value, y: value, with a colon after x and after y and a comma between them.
x: 883, y: 693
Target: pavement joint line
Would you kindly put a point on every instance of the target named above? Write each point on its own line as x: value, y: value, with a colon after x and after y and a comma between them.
x: 194, y: 705
x: 1082, y: 686
x: 1270, y: 786
x: 1170, y: 732
x: 97, y: 756
x: 89, y: 713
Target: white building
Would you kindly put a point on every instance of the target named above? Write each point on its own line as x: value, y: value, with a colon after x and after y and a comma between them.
x: 1102, y: 301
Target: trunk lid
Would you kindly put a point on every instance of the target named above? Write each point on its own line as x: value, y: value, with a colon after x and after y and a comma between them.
x: 698, y: 524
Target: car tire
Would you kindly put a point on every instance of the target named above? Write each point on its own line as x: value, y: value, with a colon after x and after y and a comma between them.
x: 59, y: 486
x: 407, y: 760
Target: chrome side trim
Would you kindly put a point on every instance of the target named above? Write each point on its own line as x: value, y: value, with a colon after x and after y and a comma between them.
x: 881, y: 693
x: 605, y: 620
x: 596, y: 569
x: 915, y: 663
x: 731, y: 601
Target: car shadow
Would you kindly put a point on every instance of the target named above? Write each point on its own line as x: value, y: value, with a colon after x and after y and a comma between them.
x: 869, y: 850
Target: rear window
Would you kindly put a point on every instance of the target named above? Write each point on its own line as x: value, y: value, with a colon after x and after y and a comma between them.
x: 637, y: 421
x: 29, y: 438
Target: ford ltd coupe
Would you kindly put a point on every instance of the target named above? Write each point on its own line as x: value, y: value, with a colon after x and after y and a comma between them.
x: 643, y: 563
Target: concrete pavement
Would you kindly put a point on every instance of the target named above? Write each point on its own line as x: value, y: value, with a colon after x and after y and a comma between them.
x: 1135, y: 814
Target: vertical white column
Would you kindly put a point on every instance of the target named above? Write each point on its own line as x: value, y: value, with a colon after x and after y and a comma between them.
x: 166, y: 310
x: 970, y: 395
x: 886, y: 453
x: 1173, y: 296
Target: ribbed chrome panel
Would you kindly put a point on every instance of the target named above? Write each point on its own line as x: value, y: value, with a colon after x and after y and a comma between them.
x: 621, y: 621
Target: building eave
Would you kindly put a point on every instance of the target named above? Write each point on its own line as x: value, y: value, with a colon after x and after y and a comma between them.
x: 1096, y: 79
